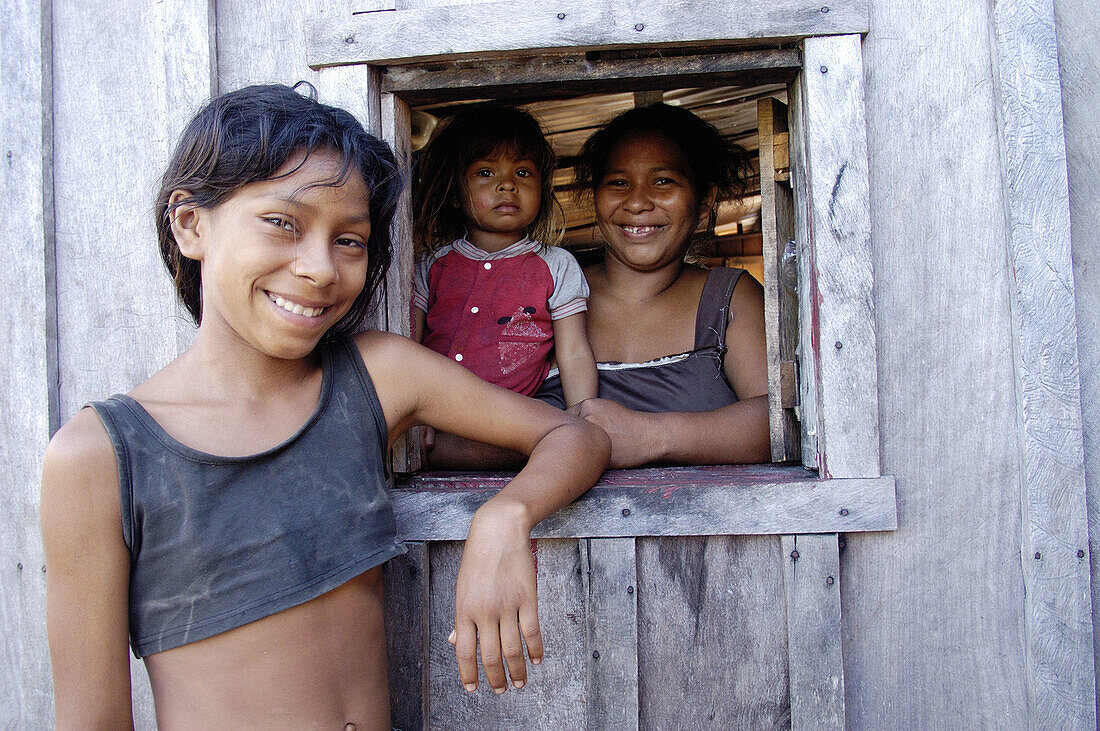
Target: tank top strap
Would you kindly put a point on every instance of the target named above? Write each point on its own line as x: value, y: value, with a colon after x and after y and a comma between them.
x: 714, y: 306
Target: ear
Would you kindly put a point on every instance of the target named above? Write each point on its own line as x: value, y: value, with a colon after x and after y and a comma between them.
x: 706, y: 204
x: 188, y: 224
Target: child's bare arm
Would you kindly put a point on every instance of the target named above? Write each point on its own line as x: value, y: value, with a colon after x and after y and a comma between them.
x: 575, y: 360
x: 87, y: 578
x: 496, y: 594
x: 418, y: 324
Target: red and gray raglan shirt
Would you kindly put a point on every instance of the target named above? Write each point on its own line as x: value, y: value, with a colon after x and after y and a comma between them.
x: 493, y: 312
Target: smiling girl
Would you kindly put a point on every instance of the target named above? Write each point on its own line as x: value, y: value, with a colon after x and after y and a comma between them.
x: 230, y: 514
x: 489, y: 292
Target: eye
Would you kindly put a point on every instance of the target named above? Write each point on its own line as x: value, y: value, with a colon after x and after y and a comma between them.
x: 664, y: 181
x: 484, y: 173
x: 524, y: 173
x: 281, y: 222
x: 614, y: 183
x: 351, y: 243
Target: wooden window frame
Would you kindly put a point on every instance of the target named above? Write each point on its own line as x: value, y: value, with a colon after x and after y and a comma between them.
x: 375, y: 63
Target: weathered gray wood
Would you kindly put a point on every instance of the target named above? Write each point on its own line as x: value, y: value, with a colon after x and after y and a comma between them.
x: 26, y: 208
x: 1078, y: 26
x: 840, y: 284
x: 811, y: 581
x: 554, y: 697
x: 495, y: 28
x: 780, y: 297
x: 407, y: 592
x: 1054, y: 540
x: 574, y: 74
x: 712, y: 639
x: 609, y: 573
x: 674, y: 501
x: 945, y: 590
x: 807, y: 411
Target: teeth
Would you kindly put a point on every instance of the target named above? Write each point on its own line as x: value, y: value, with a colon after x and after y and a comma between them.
x: 294, y: 307
x: 636, y: 230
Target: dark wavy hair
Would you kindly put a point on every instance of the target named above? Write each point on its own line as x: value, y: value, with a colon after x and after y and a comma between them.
x: 711, y: 159
x: 478, y: 132
x: 246, y: 136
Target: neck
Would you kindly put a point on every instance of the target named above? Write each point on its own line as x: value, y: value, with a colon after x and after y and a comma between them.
x: 494, y: 242
x: 631, y: 285
x: 227, y: 367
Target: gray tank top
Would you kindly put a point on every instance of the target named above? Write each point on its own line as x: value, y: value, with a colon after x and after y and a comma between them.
x: 691, y: 381
x: 217, y: 542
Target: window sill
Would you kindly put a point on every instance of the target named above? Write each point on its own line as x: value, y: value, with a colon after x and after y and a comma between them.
x: 662, y: 501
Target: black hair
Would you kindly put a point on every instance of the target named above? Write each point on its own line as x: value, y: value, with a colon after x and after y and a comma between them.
x: 478, y: 132
x: 711, y: 159
x: 246, y: 136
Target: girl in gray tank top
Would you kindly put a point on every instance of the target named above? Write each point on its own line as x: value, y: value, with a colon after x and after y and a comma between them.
x: 229, y: 514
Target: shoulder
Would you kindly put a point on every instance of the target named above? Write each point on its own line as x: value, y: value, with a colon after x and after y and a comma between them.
x: 385, y: 352
x: 747, y: 293
x: 83, y: 441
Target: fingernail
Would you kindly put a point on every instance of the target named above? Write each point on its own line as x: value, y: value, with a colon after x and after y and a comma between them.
x: 471, y: 687
x: 498, y: 691
x: 536, y: 660
x: 451, y: 637
x: 520, y: 683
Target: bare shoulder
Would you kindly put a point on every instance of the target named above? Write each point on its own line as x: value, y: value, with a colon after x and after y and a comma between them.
x: 387, y: 352
x: 748, y: 294
x: 80, y: 493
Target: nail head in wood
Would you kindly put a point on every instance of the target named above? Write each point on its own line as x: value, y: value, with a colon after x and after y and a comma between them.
x: 844, y: 512
x: 626, y: 512
x: 794, y: 555
x: 839, y: 345
x: 595, y: 654
x: 561, y: 16
x: 639, y: 27
x: 630, y: 590
x: 824, y: 69
x: 830, y: 580
x: 1038, y: 556
x: 1080, y: 554
x: 825, y: 10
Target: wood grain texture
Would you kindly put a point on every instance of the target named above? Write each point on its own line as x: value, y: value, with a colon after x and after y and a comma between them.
x: 811, y: 582
x: 932, y: 613
x: 807, y: 412
x: 609, y: 574
x: 27, y: 236
x: 780, y: 295
x: 554, y: 697
x: 841, y: 277
x: 677, y: 501
x: 712, y: 638
x: 570, y: 74
x: 1078, y: 27
x: 1054, y: 536
x: 407, y: 625
x: 114, y: 125
x: 495, y: 28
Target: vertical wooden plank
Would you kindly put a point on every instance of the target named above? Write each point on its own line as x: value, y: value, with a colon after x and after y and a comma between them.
x: 780, y: 295
x: 554, y: 697
x: 712, y: 638
x: 26, y: 208
x: 807, y: 411
x: 811, y: 582
x: 840, y: 268
x: 407, y: 586
x: 610, y: 578
x: 1054, y: 541
x: 1078, y: 27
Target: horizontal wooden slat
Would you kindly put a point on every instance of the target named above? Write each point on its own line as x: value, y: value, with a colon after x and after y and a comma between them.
x: 570, y: 74
x: 667, y: 501
x: 442, y: 33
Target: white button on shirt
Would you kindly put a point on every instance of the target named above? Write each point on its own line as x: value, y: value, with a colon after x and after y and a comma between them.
x: 473, y: 310
x: 458, y: 356
x: 488, y: 265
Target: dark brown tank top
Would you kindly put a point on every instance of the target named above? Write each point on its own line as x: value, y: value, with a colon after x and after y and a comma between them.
x: 691, y: 381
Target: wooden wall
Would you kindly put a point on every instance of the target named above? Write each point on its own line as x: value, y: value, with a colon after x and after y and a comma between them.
x: 1078, y: 29
x: 934, y: 632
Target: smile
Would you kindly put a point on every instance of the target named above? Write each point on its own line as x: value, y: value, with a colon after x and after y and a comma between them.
x: 294, y: 307
x: 640, y: 230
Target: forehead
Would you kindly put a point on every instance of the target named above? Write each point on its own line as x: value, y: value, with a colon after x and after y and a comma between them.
x: 646, y: 151
x: 312, y: 176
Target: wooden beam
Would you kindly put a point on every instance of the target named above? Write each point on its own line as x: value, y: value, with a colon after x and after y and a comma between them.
x: 1054, y: 541
x: 574, y: 74
x: 838, y: 289
x: 406, y: 579
x: 487, y: 29
x: 667, y: 501
x: 609, y: 572
x: 811, y: 579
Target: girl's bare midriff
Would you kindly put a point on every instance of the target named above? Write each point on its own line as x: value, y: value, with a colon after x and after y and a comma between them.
x: 319, y: 665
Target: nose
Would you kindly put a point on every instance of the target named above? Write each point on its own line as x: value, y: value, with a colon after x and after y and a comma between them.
x: 313, y: 260
x: 636, y: 200
x: 506, y: 182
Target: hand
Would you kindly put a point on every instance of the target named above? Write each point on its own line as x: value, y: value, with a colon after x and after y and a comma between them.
x: 496, y: 602
x: 633, y: 439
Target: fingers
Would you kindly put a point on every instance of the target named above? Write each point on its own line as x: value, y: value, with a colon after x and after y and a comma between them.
x: 532, y: 635
x: 512, y: 647
x: 489, y: 637
x: 465, y: 643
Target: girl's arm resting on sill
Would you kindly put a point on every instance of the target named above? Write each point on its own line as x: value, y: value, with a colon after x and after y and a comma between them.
x: 495, y: 601
x: 87, y: 578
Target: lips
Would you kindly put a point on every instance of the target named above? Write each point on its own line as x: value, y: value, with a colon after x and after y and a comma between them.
x: 640, y: 231
x: 295, y: 307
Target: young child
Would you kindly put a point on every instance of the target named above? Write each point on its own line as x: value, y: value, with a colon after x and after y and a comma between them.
x: 489, y: 293
x: 230, y: 514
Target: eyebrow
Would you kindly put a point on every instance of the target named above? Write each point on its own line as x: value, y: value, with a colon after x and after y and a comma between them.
x: 310, y: 208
